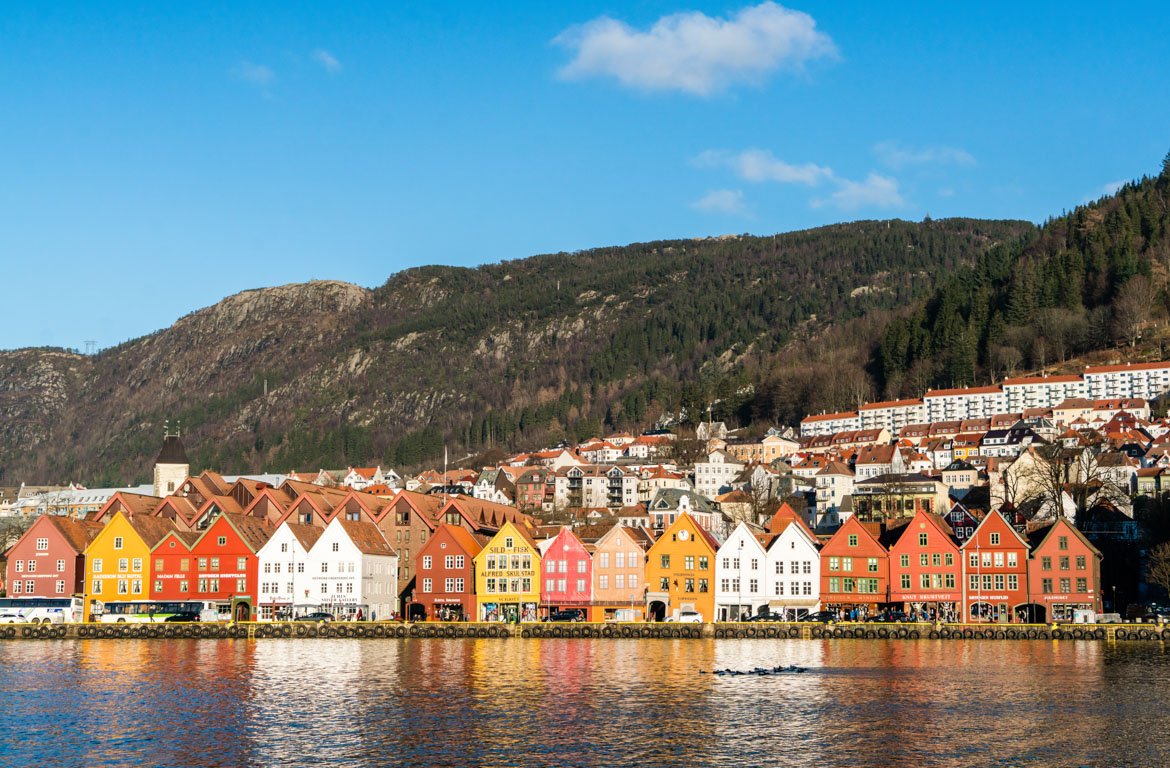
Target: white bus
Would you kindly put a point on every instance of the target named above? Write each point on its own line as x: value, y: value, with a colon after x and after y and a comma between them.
x: 43, y: 610
x: 154, y: 611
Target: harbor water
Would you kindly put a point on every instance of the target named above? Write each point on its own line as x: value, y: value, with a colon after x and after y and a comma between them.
x: 582, y: 702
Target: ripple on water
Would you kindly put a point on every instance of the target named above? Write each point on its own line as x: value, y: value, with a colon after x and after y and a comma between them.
x: 582, y: 702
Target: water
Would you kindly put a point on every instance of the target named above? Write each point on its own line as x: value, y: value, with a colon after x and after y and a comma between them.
x: 582, y: 702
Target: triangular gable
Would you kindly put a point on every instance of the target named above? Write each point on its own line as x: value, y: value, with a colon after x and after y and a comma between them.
x: 988, y: 520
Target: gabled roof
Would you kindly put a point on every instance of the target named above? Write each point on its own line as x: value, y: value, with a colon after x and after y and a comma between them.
x: 150, y: 529
x: 253, y: 531
x: 1037, y: 536
x: 172, y: 451
x: 307, y: 535
x: 77, y: 533
x: 367, y: 537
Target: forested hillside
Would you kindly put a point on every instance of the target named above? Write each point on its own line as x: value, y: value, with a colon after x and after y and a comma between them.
x: 514, y: 354
x: 1090, y: 280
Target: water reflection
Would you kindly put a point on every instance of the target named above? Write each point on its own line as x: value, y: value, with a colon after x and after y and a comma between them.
x: 582, y: 702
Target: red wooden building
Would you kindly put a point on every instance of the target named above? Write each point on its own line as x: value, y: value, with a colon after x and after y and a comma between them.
x: 225, y: 561
x: 995, y: 573
x: 49, y: 559
x: 925, y: 569
x: 445, y: 575
x: 855, y: 570
x: 1064, y: 572
x: 171, y: 577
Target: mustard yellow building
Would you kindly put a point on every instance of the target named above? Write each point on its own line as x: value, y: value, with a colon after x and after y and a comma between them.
x: 118, y: 560
x: 680, y: 571
x: 507, y: 577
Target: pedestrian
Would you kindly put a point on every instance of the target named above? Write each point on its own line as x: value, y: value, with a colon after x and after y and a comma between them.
x: 359, y: 614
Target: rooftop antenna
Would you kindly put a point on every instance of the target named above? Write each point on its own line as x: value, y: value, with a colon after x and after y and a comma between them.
x: 90, y: 346
x: 178, y: 428
x: 166, y: 429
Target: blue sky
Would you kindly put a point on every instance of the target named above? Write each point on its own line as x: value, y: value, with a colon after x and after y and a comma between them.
x: 158, y: 157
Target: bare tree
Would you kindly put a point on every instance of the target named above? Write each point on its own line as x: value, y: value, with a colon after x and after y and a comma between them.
x: 1158, y: 567
x: 1081, y: 473
x: 1132, y: 307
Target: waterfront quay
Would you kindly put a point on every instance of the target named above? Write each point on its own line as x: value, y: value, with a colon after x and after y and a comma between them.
x: 584, y: 630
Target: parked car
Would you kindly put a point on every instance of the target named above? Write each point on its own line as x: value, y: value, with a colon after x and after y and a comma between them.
x: 192, y: 616
x: 824, y: 617
x: 573, y: 614
x: 767, y: 616
x: 688, y: 617
x: 893, y: 617
x: 316, y: 616
x: 11, y: 618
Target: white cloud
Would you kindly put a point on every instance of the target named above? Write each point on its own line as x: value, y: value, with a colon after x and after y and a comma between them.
x: 759, y: 165
x: 256, y: 74
x: 897, y: 157
x: 726, y: 201
x: 1112, y: 187
x: 327, y: 61
x: 693, y: 52
x: 875, y: 192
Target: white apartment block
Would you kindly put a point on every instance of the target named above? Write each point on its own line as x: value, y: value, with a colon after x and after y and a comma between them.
x: 964, y: 403
x: 740, y: 576
x: 1138, y: 380
x: 715, y: 475
x: 829, y: 423
x: 891, y: 414
x: 1041, y: 391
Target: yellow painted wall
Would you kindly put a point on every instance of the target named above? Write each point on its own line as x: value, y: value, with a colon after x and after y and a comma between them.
x: 506, y: 554
x: 103, y: 553
x: 683, y: 540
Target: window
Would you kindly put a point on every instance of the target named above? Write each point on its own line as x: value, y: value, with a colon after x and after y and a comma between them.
x: 664, y: 584
x: 203, y: 563
x: 118, y: 542
x: 562, y: 565
x: 923, y: 539
x: 994, y: 539
x: 689, y: 562
x: 1046, y: 563
x: 905, y: 561
x: 20, y: 565
x: 337, y: 546
x: 427, y: 562
x: 847, y: 564
x: 460, y: 561
x: 97, y: 565
x: 973, y: 580
x: 755, y: 564
x: 158, y: 585
x: 183, y: 586
x: 702, y: 585
x: 42, y: 544
x: 1046, y: 586
x: 753, y: 586
x: 458, y: 585
x: 834, y: 584
x: 242, y: 564
x: 1013, y: 581
x: 1064, y: 562
x: 1082, y: 585
x: 123, y: 565
x: 215, y: 563
x: 853, y: 539
x: 905, y: 581
x: 448, y: 562
x: 60, y: 565
x: 872, y: 565
x: 1065, y: 586
x: 580, y: 585
x: 221, y: 541
x: 123, y: 587
x: 847, y: 585
x: 986, y: 583
x: 924, y: 559
x: 580, y: 566
x: 664, y: 561
x: 97, y: 587
x: 949, y: 558
x: 924, y: 580
x: 137, y: 565
x: 999, y: 581
x: 1062, y: 543
x: 427, y: 585
x: 999, y: 559
x: 807, y: 567
x: 780, y: 588
x: 284, y: 547
x: 835, y: 564
x: 974, y: 559
x: 508, y: 542
x: 702, y: 562
x: 18, y: 586
x: 1011, y: 559
x: 60, y: 589
x: 185, y: 564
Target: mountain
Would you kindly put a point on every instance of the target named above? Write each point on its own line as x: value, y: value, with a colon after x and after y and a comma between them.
x: 1091, y: 280
x: 514, y: 354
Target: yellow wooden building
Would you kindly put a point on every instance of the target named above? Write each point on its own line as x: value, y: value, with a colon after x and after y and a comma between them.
x: 507, y: 577
x: 118, y: 560
x: 680, y: 572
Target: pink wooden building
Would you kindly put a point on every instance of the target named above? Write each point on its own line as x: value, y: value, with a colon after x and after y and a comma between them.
x: 566, y: 581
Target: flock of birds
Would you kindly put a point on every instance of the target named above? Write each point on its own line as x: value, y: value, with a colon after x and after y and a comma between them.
x: 792, y: 669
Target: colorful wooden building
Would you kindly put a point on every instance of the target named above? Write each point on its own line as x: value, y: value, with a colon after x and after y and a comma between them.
x: 507, y: 576
x: 995, y: 573
x: 619, y: 573
x: 446, y: 574
x: 225, y: 563
x: 925, y: 570
x: 1064, y: 572
x: 793, y: 565
x: 118, y: 560
x: 49, y: 559
x: 855, y: 570
x: 566, y: 575
x: 680, y: 571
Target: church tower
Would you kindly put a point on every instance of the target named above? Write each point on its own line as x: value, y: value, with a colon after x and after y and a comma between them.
x: 171, y: 467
